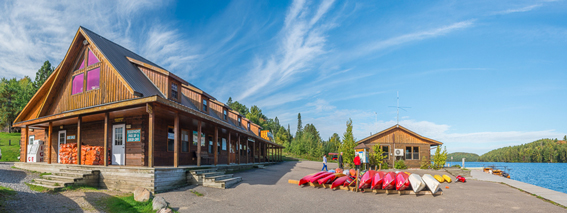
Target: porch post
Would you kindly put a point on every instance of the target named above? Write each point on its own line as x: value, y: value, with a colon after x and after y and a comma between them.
x: 239, y: 149
x: 106, y: 138
x: 216, y: 145
x: 176, y: 140
x: 246, y: 152
x: 26, y: 141
x: 151, y: 129
x: 228, y: 148
x: 49, y: 140
x: 199, y: 144
x: 79, y: 141
x: 254, y: 153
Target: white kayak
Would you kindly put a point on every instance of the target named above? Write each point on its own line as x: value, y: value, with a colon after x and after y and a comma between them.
x: 417, y: 184
x: 431, y: 183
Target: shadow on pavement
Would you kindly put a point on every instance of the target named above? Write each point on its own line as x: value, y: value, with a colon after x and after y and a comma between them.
x: 270, y: 175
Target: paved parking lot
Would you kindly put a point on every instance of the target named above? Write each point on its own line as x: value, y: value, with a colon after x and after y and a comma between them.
x: 268, y: 190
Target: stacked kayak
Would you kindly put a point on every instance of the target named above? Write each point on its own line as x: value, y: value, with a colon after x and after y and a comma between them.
x: 339, y: 181
x: 389, y: 181
x: 315, y: 178
x: 378, y: 180
x: 366, y: 180
x: 330, y: 178
x: 402, y: 181
x: 306, y: 179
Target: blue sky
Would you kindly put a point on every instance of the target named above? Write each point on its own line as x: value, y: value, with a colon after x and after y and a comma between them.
x: 477, y: 75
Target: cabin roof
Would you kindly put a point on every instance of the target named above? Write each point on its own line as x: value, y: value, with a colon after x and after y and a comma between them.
x: 117, y: 56
x: 429, y: 140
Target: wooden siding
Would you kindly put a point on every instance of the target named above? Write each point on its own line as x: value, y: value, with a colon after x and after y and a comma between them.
x: 158, y: 79
x: 216, y: 108
x: 111, y: 89
x: 398, y: 136
x: 39, y: 134
x: 400, y: 139
x: 193, y: 96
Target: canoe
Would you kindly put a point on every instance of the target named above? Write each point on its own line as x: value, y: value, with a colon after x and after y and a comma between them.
x: 330, y: 178
x: 402, y: 181
x: 439, y: 178
x: 350, y: 181
x: 366, y: 180
x: 417, y: 184
x: 317, y: 177
x: 339, y: 181
x: 461, y: 178
x: 431, y: 183
x: 447, y: 178
x: 389, y: 181
x: 306, y: 179
x: 378, y: 180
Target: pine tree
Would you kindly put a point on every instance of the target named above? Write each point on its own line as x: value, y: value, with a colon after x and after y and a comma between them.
x: 42, y: 74
x: 299, y: 126
x: 347, y: 147
x: 9, y: 109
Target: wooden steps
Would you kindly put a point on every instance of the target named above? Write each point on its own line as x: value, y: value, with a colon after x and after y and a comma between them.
x: 67, y: 177
x: 214, y: 178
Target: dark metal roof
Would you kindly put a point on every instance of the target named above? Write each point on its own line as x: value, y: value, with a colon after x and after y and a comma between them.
x: 185, y: 101
x: 116, y: 55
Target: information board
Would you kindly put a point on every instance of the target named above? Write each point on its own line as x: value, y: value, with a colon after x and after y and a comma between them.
x: 133, y: 135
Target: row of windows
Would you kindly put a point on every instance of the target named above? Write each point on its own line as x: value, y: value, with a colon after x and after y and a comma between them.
x: 222, y: 143
x: 412, y: 152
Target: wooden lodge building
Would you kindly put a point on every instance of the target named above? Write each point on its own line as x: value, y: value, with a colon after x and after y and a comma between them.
x: 143, y: 115
x: 411, y: 146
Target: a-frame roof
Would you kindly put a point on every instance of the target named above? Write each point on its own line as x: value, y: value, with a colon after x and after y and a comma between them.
x: 118, y: 57
x: 429, y: 140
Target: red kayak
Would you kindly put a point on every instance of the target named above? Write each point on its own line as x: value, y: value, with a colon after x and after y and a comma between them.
x: 461, y: 178
x: 402, y: 181
x: 306, y: 179
x: 339, y: 181
x: 366, y: 180
x: 389, y: 181
x: 377, y: 180
x: 350, y: 181
x: 317, y: 177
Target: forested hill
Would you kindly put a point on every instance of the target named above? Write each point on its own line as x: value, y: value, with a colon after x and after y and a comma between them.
x: 540, y: 151
x: 458, y: 156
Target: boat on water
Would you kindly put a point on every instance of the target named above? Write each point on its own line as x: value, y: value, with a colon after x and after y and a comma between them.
x: 402, y: 181
x: 377, y: 180
x: 330, y: 178
x: 439, y: 178
x: 366, y: 180
x: 447, y: 178
x: 417, y: 184
x: 389, y: 181
x: 431, y: 183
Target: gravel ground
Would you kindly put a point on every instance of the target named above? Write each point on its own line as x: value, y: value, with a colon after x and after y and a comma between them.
x: 268, y: 190
x: 27, y: 200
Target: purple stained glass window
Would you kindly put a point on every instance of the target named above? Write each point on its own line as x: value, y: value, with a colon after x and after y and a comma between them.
x: 82, y: 65
x: 78, y: 83
x: 93, y: 79
x: 92, y: 58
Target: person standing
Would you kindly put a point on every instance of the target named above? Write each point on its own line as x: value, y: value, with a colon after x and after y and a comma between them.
x: 341, y: 160
x: 357, y: 162
x: 324, y: 163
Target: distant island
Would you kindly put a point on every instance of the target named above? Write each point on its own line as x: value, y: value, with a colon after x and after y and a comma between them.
x: 458, y: 156
x: 540, y: 151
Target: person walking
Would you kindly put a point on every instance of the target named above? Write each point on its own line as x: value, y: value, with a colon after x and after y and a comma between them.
x: 324, y: 163
x: 341, y: 160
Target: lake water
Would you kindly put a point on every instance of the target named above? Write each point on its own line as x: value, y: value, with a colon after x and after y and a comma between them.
x: 547, y: 175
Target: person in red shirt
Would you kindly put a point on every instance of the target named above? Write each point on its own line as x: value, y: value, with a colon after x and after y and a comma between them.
x: 357, y: 162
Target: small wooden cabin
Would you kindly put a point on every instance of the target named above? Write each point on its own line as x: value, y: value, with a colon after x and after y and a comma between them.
x: 411, y: 146
x: 142, y: 114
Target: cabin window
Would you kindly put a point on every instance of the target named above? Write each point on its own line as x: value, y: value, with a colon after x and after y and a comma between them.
x: 248, y: 125
x: 77, y: 86
x: 184, y: 141
x: 174, y: 90
x: 92, y: 58
x: 82, y: 64
x: 93, y: 79
x: 211, y: 145
x: 170, y: 139
x: 416, y: 152
x: 260, y: 133
x: 204, y: 105
x: 239, y: 121
x: 225, y: 114
x: 31, y: 139
x: 224, y: 144
x: 386, y: 151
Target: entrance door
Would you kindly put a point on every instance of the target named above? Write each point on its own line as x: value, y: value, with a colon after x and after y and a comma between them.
x: 118, y: 148
x: 61, y: 139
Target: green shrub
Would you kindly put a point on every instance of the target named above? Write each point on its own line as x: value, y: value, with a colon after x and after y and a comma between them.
x: 400, y: 165
x: 424, y: 164
x: 457, y: 165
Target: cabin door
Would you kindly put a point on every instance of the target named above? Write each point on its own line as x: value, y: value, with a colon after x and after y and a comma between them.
x: 118, y: 146
x: 61, y: 139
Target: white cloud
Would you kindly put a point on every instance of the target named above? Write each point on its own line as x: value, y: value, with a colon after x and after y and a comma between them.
x: 519, y: 10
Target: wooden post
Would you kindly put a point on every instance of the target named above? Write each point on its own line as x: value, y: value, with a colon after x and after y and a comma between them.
x: 254, y: 153
x: 228, y: 148
x: 106, y: 121
x: 79, y: 153
x: 239, y: 150
x: 176, y: 140
x: 246, y: 152
x: 151, y: 130
x: 199, y: 144
x: 26, y: 141
x: 216, y: 145
x: 49, y: 141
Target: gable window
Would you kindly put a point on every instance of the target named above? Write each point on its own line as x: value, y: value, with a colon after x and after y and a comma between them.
x: 239, y: 121
x: 248, y: 125
x: 93, y: 79
x: 81, y: 65
x: 174, y: 90
x: 77, y: 84
x: 92, y: 59
x: 225, y: 114
x: 259, y: 132
x: 204, y: 105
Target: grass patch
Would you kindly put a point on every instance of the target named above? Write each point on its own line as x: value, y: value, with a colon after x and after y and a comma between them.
x: 127, y: 204
x: 44, y: 173
x: 39, y: 188
x: 196, y: 193
x: 10, y: 153
x: 5, y: 194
